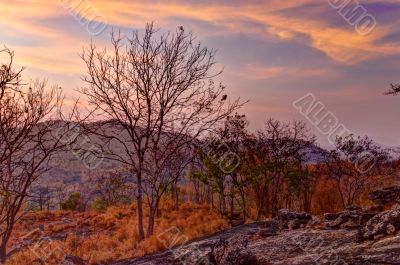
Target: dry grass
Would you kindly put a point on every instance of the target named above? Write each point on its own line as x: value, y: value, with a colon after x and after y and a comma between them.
x: 102, y: 237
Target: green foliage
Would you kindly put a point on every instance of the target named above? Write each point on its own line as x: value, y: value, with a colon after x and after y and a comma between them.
x: 100, y: 205
x: 299, y: 180
x: 211, y: 174
x: 72, y: 203
x: 272, y: 165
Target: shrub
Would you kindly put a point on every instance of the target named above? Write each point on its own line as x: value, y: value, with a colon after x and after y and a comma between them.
x: 100, y: 205
x: 73, y: 203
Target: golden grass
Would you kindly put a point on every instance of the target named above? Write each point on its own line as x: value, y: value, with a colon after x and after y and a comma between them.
x: 112, y: 235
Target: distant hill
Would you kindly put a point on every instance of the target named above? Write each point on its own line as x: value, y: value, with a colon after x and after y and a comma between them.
x: 71, y: 173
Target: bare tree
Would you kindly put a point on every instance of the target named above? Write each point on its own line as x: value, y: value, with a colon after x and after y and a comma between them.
x: 272, y: 164
x: 354, y: 164
x: 41, y: 196
x: 113, y: 187
x: 285, y: 151
x: 60, y: 190
x: 154, y: 94
x: 27, y: 141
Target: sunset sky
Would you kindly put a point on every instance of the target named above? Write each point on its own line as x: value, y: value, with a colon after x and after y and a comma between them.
x: 274, y: 51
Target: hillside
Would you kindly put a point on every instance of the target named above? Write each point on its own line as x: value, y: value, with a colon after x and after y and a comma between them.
x: 72, y: 171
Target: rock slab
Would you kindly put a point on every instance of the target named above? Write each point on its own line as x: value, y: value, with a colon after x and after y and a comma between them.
x: 265, y: 243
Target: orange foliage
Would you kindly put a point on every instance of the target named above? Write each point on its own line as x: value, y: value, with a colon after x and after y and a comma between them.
x: 326, y: 198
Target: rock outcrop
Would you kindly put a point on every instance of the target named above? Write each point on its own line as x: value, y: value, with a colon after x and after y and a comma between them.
x: 292, y: 220
x: 382, y: 224
x: 386, y: 196
x: 268, y: 243
x: 351, y: 218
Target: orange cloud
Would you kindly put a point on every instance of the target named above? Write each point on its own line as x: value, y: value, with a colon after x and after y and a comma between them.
x: 343, y: 45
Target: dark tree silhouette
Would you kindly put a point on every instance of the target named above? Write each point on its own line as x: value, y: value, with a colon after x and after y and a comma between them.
x: 27, y: 140
x: 155, y: 95
x: 354, y: 164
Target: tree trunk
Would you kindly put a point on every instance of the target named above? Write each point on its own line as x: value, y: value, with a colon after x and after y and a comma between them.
x: 274, y: 197
x: 275, y: 207
x: 260, y: 206
x: 196, y: 192
x: 341, y: 193
x: 244, y: 205
x: 267, y: 202
x: 150, y: 227
x: 176, y: 198
x: 3, y: 253
x: 307, y: 202
x: 210, y: 196
x: 175, y: 195
x: 222, y: 204
x: 232, y: 200
x: 262, y: 202
x: 140, y: 208
x: 158, y: 212
x: 153, y: 210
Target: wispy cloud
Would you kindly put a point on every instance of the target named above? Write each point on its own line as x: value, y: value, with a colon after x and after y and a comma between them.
x: 339, y: 42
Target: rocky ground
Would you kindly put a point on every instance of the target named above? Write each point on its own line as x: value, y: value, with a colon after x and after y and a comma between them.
x: 354, y: 236
x: 263, y: 243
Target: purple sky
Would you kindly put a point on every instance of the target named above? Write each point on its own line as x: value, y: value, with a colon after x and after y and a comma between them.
x: 274, y: 51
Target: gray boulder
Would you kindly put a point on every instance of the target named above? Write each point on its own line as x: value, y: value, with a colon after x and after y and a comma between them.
x: 246, y: 245
x: 234, y: 251
x: 351, y: 218
x: 292, y: 220
x: 381, y: 225
x: 386, y: 196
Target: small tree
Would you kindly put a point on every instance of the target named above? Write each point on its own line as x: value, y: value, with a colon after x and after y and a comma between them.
x: 256, y: 165
x: 227, y: 150
x: 41, y: 196
x: 73, y: 203
x: 354, y: 164
x: 211, y: 174
x: 113, y: 187
x: 60, y: 191
x: 234, y: 136
x: 281, y: 152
